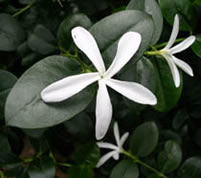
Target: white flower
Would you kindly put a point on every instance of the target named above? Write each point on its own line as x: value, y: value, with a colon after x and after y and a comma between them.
x: 116, y: 149
x: 69, y: 86
x: 168, y: 52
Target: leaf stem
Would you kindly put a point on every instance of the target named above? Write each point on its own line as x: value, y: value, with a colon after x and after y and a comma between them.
x: 60, y: 3
x: 85, y: 67
x: 28, y: 6
x: 165, y: 43
x: 137, y: 160
x: 65, y: 164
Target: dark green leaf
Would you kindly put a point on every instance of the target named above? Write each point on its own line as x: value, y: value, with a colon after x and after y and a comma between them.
x: 80, y: 172
x: 87, y: 155
x: 166, y: 92
x: 80, y: 127
x: 43, y: 168
x: 196, y: 46
x: 4, y: 145
x: 64, y: 32
x: 170, y: 158
x: 109, y: 30
x: 151, y: 7
x: 24, y: 106
x: 42, y: 41
x: 142, y: 72
x: 190, y: 168
x: 182, y: 7
x: 125, y: 169
x: 179, y: 119
x: 144, y: 139
x: 11, y: 33
x: 7, y: 81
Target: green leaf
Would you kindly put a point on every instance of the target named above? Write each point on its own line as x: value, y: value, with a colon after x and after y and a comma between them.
x: 125, y: 169
x: 142, y: 72
x: 185, y: 10
x: 64, y: 31
x: 80, y: 172
x: 196, y: 46
x: 24, y: 106
x: 190, y: 168
x: 11, y: 33
x: 170, y: 158
x: 87, y: 155
x: 42, y: 168
x: 7, y: 80
x: 80, y: 127
x: 166, y: 92
x: 109, y: 30
x: 144, y: 139
x: 151, y: 7
x: 179, y: 119
x: 5, y: 146
x: 42, y: 41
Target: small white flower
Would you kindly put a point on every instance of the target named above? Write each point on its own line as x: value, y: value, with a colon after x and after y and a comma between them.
x: 69, y: 86
x: 168, y: 52
x: 116, y: 149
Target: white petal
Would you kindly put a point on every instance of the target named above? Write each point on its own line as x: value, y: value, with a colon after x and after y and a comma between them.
x: 183, y: 45
x: 133, y: 91
x: 116, y: 156
x: 173, y: 68
x: 103, y: 110
x: 104, y: 158
x: 67, y: 87
x: 183, y: 65
x: 174, y: 33
x: 116, y: 133
x: 127, y: 47
x: 87, y: 44
x: 107, y: 145
x: 124, y: 138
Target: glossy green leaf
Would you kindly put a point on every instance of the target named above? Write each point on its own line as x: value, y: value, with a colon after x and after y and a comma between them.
x: 125, y: 169
x: 196, y: 46
x: 42, y: 41
x: 87, y: 155
x: 170, y: 158
x: 142, y: 72
x: 80, y: 127
x: 151, y: 7
x: 64, y: 31
x: 182, y: 7
x: 166, y: 92
x: 109, y: 30
x: 80, y: 172
x: 11, y: 33
x: 24, y: 106
x: 144, y: 139
x: 43, y: 168
x: 190, y: 168
x: 7, y: 81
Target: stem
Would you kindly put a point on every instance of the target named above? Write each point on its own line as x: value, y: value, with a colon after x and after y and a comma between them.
x: 60, y: 3
x: 136, y: 160
x: 165, y: 43
x: 65, y: 164
x: 28, y: 6
x: 84, y: 66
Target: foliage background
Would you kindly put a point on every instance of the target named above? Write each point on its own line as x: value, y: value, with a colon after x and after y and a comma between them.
x: 171, y: 140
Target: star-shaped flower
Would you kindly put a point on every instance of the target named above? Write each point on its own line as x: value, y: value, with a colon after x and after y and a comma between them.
x: 69, y: 86
x: 169, y: 51
x: 116, y: 149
